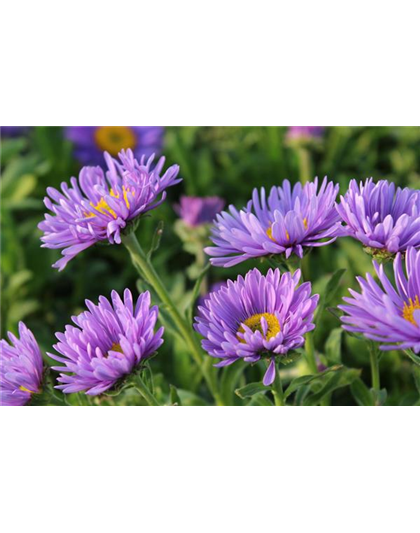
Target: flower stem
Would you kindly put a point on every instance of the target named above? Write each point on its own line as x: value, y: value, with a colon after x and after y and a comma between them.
x: 147, y: 271
x: 277, y: 389
x: 141, y: 387
x: 304, y: 164
x: 374, y: 366
x: 310, y: 353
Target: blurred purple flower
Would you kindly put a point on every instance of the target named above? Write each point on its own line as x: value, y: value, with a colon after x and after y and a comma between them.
x: 21, y: 368
x: 385, y: 314
x: 257, y: 316
x: 91, y: 141
x: 195, y: 210
x: 285, y: 223
x: 110, y: 340
x: 381, y: 216
x: 213, y: 288
x: 13, y: 131
x: 305, y: 132
x: 98, y: 207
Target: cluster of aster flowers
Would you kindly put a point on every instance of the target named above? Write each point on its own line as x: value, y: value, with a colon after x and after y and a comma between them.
x: 109, y: 341
x: 91, y: 141
x: 99, y: 205
x: 255, y: 317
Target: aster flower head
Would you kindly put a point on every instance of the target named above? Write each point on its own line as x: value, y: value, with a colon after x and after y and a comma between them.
x: 21, y: 368
x: 195, y: 210
x: 384, y: 218
x: 387, y: 312
x: 108, y: 342
x: 98, y: 206
x: 13, y: 131
x: 286, y: 222
x: 305, y: 132
x: 91, y: 141
x: 257, y: 316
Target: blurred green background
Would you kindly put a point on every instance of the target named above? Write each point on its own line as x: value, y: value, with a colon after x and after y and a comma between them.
x: 224, y: 161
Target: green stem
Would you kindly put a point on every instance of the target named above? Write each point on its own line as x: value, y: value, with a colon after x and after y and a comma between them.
x: 374, y: 366
x: 147, y: 271
x: 140, y: 386
x: 304, y: 164
x: 277, y: 389
x: 310, y: 353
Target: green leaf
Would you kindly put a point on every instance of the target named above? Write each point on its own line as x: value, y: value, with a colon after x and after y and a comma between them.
x: 17, y: 281
x: 297, y: 383
x: 291, y: 357
x: 189, y: 398
x: 415, y: 358
x: 79, y: 398
x: 174, y: 396
x: 11, y: 148
x: 230, y: 377
x: 261, y: 399
x: 339, y: 379
x: 301, y: 394
x: 251, y: 389
x: 379, y: 396
x: 196, y: 292
x: 329, y: 292
x: 416, y: 375
x: 333, y: 346
x: 23, y: 187
x: 361, y: 393
x: 156, y: 239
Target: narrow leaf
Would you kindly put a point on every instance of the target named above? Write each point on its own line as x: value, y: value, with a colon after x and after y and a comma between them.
x: 250, y: 390
x: 361, y: 393
x: 156, y: 239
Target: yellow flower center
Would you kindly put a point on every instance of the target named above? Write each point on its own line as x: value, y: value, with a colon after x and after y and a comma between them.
x: 254, y: 324
x: 409, y: 309
x: 114, y: 138
x: 270, y: 231
x: 103, y: 207
x: 116, y: 347
x: 24, y: 389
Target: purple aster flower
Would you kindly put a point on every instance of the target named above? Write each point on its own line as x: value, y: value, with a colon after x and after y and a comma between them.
x: 386, y: 314
x: 382, y: 217
x: 91, y: 141
x: 305, y: 132
x: 21, y: 368
x: 257, y: 316
x: 284, y: 223
x: 195, y: 211
x: 13, y: 131
x: 110, y: 340
x: 98, y: 206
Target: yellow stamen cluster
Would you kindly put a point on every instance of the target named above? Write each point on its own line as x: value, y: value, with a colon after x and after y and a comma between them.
x: 116, y: 347
x: 112, y: 139
x: 254, y: 324
x: 103, y: 207
x: 24, y: 389
x: 270, y: 231
x: 409, y: 309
